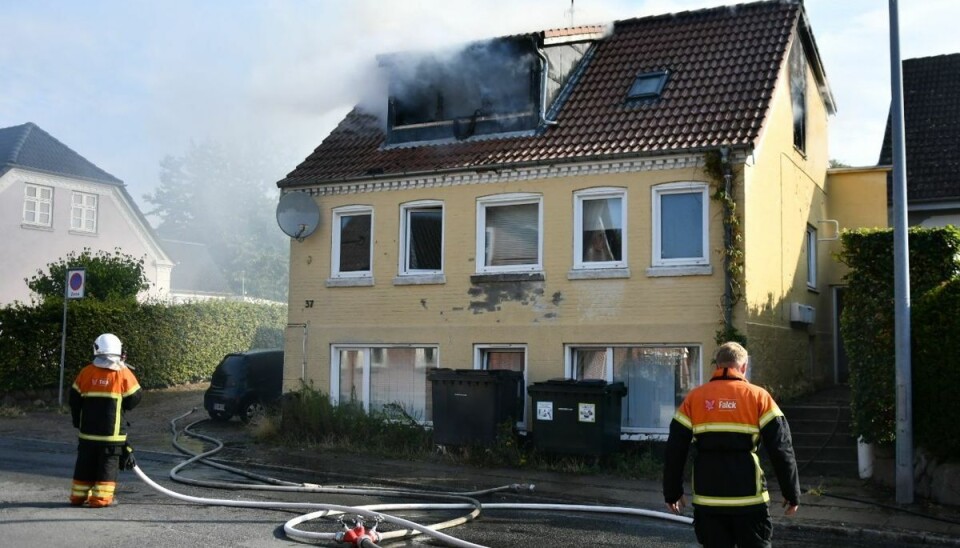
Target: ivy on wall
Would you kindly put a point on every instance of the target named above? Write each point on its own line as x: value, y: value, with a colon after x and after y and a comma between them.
x: 723, y: 182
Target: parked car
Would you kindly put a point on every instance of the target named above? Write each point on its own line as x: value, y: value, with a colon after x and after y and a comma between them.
x: 245, y: 384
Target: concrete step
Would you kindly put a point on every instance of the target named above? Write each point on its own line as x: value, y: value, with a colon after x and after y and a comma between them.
x: 817, y: 412
x: 828, y: 454
x: 818, y: 439
x: 842, y: 428
x: 844, y: 468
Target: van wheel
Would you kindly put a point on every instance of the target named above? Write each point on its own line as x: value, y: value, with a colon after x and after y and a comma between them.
x: 252, y: 410
x: 219, y: 416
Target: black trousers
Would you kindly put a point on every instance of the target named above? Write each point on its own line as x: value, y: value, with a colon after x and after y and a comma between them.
x: 751, y: 529
x: 95, y: 473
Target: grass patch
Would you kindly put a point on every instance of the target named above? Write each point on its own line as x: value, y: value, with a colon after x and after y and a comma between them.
x: 308, y: 418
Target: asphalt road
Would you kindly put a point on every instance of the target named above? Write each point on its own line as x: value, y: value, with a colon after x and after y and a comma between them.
x: 35, y: 481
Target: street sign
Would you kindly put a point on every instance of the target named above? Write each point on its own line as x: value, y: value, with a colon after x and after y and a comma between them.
x: 76, y: 283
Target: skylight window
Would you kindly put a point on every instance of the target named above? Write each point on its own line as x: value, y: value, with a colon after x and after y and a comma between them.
x: 648, y: 85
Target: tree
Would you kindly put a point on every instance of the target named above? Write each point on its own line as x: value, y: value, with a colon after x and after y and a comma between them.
x: 226, y: 199
x: 108, y: 276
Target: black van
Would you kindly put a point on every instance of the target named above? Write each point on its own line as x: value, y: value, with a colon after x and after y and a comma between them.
x: 244, y: 384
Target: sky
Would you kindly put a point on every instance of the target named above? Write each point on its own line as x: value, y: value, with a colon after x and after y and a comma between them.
x: 127, y: 82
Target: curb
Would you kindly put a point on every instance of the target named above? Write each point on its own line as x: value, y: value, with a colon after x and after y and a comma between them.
x: 899, y: 536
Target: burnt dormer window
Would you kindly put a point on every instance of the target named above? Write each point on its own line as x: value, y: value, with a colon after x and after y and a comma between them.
x: 648, y: 85
x: 486, y: 88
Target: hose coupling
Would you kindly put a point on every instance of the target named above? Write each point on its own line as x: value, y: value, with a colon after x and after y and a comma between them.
x: 358, y: 532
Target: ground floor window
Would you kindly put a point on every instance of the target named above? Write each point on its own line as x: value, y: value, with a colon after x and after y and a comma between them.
x: 391, y: 378
x: 510, y: 357
x: 657, y: 378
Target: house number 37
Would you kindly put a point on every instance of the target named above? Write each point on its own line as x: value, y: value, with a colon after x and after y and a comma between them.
x: 308, y: 303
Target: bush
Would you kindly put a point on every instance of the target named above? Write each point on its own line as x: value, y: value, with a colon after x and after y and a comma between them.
x: 936, y: 369
x: 867, y: 325
x: 166, y: 344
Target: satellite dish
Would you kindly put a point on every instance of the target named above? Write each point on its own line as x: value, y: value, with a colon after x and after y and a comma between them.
x: 297, y: 215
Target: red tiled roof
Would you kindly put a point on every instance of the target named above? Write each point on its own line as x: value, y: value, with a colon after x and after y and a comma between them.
x: 723, y: 65
x: 931, y: 111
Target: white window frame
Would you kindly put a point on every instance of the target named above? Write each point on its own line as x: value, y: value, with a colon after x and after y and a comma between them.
x: 507, y: 200
x: 365, y: 351
x: 811, y: 250
x: 39, y: 203
x: 335, y: 247
x: 579, y: 198
x: 87, y: 211
x: 659, y: 191
x: 480, y: 352
x: 405, y: 211
x: 570, y: 373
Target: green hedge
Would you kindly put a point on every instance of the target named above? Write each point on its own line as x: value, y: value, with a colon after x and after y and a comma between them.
x: 166, y: 344
x: 936, y: 369
x: 867, y: 325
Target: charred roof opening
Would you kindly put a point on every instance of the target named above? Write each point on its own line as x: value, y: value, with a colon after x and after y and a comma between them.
x: 648, y: 85
x: 486, y: 88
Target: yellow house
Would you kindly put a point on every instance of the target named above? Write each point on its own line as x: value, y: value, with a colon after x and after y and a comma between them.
x: 590, y: 203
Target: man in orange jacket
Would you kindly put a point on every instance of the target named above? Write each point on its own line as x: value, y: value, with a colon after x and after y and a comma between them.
x: 101, y: 393
x: 726, y: 419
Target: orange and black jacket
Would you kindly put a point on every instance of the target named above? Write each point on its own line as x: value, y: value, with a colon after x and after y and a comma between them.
x: 725, y: 420
x: 98, y: 399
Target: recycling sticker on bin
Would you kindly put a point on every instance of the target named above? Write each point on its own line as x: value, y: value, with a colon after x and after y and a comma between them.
x: 544, y: 410
x: 587, y: 412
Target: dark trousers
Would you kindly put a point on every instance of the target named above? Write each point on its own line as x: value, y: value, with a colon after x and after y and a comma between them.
x: 751, y: 529
x: 95, y: 473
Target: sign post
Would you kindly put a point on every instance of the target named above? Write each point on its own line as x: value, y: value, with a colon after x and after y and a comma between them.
x: 74, y: 288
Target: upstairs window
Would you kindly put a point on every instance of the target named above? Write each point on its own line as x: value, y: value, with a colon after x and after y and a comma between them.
x: 421, y: 240
x: 798, y: 95
x: 811, y: 249
x: 680, y: 224
x: 38, y: 205
x: 509, y: 233
x: 486, y: 88
x: 648, y: 85
x: 352, y: 242
x: 599, y: 237
x: 83, y: 212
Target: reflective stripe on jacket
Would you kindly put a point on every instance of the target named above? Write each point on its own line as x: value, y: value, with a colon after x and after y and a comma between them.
x: 726, y: 419
x: 98, y: 398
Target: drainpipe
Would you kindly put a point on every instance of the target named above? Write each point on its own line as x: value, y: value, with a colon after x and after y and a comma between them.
x: 543, y: 85
x: 727, y: 239
x: 303, y: 342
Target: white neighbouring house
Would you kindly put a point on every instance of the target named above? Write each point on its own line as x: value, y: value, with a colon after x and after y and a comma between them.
x: 53, y: 201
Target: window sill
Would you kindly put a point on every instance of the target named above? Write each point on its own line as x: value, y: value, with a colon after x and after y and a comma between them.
x: 36, y: 227
x: 81, y: 232
x: 361, y: 281
x: 507, y: 277
x: 813, y: 290
x: 692, y: 270
x: 597, y: 273
x: 420, y: 279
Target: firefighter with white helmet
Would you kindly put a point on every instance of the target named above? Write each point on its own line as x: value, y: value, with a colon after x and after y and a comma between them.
x: 102, y: 391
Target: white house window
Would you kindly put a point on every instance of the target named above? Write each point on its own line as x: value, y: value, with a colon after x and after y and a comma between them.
x: 798, y: 94
x: 599, y: 235
x: 83, y: 212
x: 421, y: 238
x: 38, y: 205
x: 657, y: 379
x: 392, y: 379
x: 352, y: 242
x: 680, y: 224
x: 509, y: 233
x: 811, y: 249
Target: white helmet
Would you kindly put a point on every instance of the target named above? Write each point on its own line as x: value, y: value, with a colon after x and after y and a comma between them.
x: 107, y: 345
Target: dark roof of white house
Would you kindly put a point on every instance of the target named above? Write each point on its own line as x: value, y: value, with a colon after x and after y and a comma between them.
x: 28, y: 146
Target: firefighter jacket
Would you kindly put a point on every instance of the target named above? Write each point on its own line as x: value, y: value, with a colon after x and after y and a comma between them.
x: 98, y: 398
x: 725, y: 420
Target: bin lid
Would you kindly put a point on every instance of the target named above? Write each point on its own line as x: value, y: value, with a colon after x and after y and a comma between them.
x: 590, y: 386
x: 447, y: 374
